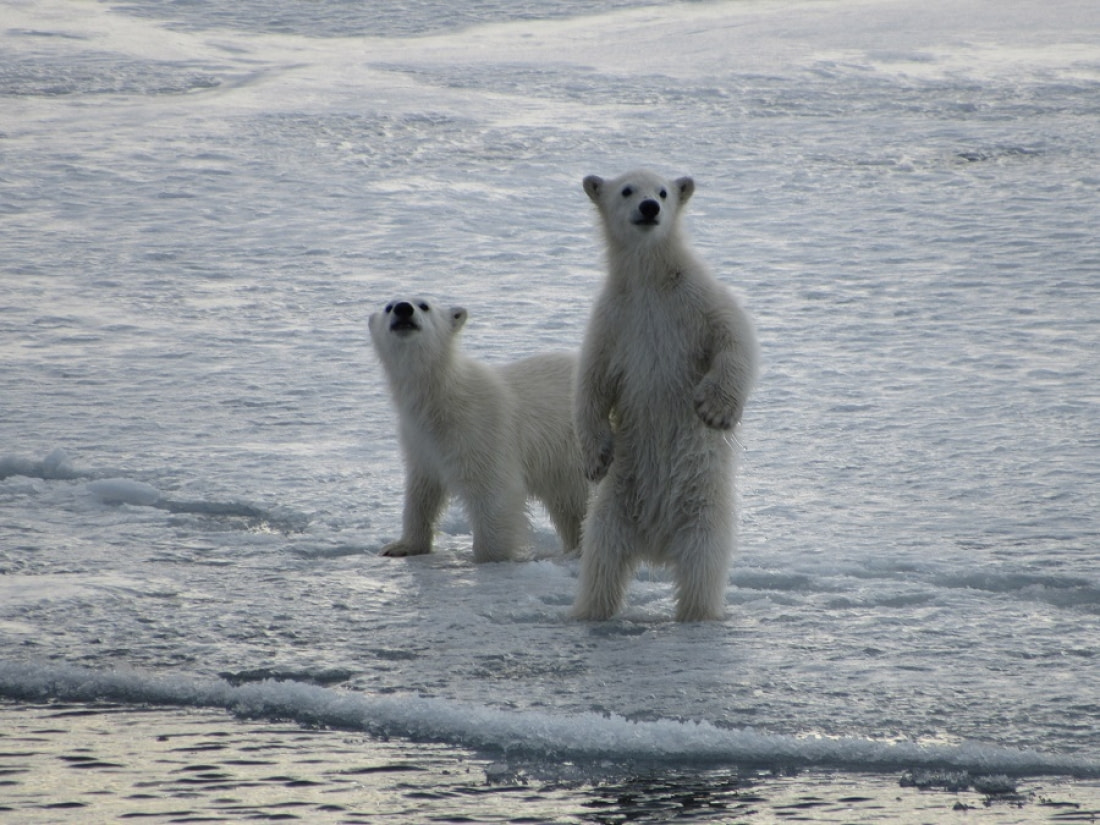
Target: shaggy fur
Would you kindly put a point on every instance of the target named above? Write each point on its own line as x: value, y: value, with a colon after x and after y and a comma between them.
x: 668, y: 361
x: 490, y: 435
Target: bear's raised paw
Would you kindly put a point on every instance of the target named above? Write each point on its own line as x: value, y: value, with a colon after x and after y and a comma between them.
x: 717, y: 408
x: 597, y: 463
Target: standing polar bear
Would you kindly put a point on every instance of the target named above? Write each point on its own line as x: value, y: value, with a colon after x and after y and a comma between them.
x: 490, y: 435
x: 667, y: 363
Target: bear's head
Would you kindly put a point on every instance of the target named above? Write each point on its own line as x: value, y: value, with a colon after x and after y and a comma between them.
x: 414, y: 327
x: 639, y: 207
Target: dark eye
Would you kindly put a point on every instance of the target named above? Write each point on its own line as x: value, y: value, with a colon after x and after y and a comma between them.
x: 664, y: 194
x: 628, y: 191
x: 423, y: 306
x: 389, y: 308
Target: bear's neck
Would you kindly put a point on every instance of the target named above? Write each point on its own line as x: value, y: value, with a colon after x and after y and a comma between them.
x: 653, y: 264
x: 418, y: 379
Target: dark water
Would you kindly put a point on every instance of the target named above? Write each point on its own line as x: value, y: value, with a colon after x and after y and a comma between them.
x: 78, y: 763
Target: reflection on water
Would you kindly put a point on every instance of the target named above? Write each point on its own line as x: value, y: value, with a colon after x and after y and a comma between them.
x: 90, y: 764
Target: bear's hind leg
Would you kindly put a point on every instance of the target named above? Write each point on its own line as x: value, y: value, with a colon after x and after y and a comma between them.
x: 566, y: 508
x: 607, y: 564
x: 702, y: 565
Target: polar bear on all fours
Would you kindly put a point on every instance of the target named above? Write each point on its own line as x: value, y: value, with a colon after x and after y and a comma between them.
x: 668, y: 360
x: 490, y: 435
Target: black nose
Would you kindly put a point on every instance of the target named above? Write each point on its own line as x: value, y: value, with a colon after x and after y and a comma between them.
x: 649, y: 209
x: 403, y: 310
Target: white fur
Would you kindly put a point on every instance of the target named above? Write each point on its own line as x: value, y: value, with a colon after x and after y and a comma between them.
x: 667, y: 364
x: 490, y: 435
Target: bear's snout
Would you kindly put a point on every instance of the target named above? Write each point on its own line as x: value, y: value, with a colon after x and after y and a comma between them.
x: 649, y: 210
x: 403, y: 317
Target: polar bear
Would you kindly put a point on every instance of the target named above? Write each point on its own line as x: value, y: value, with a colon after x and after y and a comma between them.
x: 491, y: 435
x: 668, y: 360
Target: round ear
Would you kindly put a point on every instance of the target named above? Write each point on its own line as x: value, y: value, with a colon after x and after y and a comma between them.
x: 593, y: 185
x: 458, y: 318
x: 686, y: 186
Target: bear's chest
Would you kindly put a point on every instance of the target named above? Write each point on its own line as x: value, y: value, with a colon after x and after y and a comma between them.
x: 661, y: 349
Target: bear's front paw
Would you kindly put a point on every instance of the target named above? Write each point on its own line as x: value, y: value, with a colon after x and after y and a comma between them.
x: 717, y: 409
x: 598, y: 461
x: 401, y: 549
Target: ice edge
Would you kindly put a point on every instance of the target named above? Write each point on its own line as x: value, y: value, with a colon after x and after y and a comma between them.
x: 588, y: 736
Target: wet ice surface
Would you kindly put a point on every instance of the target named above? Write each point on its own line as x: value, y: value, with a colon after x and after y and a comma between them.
x: 197, y: 458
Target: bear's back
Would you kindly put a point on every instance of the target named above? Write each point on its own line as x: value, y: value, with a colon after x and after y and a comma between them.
x: 542, y: 386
